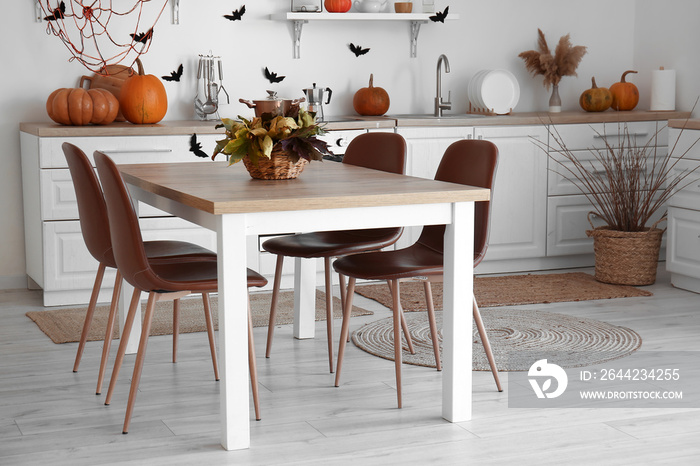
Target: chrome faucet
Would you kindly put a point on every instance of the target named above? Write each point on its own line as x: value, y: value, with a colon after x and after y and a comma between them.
x: 440, y: 105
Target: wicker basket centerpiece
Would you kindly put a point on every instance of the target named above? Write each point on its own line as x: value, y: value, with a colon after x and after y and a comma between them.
x: 280, y: 166
x: 273, y: 147
x: 627, y: 183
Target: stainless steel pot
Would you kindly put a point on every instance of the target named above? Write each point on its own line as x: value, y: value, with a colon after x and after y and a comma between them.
x: 273, y: 104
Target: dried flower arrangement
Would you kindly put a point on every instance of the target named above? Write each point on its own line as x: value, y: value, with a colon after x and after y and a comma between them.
x: 626, y: 182
x: 564, y: 62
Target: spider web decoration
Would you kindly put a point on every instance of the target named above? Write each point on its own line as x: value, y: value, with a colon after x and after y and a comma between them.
x: 84, y: 28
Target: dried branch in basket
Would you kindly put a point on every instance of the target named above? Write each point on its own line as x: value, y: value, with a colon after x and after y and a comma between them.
x: 564, y: 62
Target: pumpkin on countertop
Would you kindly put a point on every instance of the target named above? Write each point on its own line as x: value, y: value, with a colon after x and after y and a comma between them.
x: 371, y: 101
x: 595, y: 99
x: 625, y: 96
x: 78, y: 107
x: 143, y: 99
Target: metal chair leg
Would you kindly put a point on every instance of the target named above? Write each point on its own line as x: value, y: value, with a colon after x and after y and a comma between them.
x: 88, y: 316
x: 273, y: 304
x: 487, y: 346
x: 433, y: 326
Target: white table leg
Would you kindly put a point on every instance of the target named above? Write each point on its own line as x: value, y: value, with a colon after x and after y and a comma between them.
x: 304, y: 297
x: 457, y: 315
x: 233, y: 332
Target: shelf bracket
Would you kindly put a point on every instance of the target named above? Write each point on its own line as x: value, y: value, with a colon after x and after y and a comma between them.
x: 298, y: 25
x: 415, y: 29
x: 176, y: 11
x: 38, y: 13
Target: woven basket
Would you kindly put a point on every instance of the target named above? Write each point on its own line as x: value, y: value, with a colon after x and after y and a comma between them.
x: 278, y: 167
x: 626, y: 257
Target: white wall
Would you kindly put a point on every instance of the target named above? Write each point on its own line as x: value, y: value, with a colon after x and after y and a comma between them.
x: 667, y: 34
x: 489, y: 34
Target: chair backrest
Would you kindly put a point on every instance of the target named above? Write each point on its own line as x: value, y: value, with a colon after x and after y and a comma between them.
x: 92, y: 210
x: 472, y: 162
x: 127, y: 242
x: 379, y: 151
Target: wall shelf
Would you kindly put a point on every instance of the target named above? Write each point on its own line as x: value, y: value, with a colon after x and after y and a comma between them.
x: 299, y: 19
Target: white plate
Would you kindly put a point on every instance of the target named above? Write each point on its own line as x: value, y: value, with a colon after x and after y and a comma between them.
x: 473, y: 89
x: 499, y: 91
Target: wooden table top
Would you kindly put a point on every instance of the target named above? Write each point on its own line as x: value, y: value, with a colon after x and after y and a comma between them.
x: 215, y: 188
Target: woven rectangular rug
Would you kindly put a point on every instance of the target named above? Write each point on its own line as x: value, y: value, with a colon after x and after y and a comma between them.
x: 65, y: 325
x: 510, y: 290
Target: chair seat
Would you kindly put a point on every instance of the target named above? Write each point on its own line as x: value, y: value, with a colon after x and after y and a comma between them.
x: 416, y: 260
x: 332, y: 243
x: 165, y: 251
x: 198, y: 275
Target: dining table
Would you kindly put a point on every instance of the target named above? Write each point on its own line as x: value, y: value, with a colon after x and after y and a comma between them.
x: 325, y: 196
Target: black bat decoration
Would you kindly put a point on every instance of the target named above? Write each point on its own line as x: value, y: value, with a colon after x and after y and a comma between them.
x: 196, y: 147
x: 272, y: 77
x: 58, y: 13
x: 236, y: 14
x: 174, y: 75
x: 358, y: 50
x: 440, y: 17
x: 143, y: 37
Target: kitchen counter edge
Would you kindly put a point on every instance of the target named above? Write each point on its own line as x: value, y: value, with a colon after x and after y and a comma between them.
x: 178, y: 127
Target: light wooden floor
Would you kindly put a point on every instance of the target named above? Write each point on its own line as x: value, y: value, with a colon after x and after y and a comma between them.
x: 50, y: 415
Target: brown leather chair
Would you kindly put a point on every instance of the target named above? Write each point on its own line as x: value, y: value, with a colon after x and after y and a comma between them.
x: 162, y: 281
x: 94, y: 225
x: 379, y: 151
x: 469, y: 162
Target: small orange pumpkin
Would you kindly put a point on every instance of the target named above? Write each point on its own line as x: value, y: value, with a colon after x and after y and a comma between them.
x: 80, y: 107
x: 338, y: 6
x: 625, y: 96
x: 143, y: 99
x: 371, y: 101
x: 595, y: 99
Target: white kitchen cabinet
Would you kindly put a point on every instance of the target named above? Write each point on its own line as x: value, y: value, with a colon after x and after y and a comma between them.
x: 519, y: 204
x: 683, y: 242
x: 56, y: 256
x: 567, y: 207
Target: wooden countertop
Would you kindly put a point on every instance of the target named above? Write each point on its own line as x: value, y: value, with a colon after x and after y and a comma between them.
x: 177, y: 127
x: 684, y: 123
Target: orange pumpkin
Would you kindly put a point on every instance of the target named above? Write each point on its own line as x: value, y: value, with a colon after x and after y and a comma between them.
x: 625, y: 96
x: 371, y: 101
x: 80, y: 107
x: 595, y: 99
x: 338, y: 6
x: 143, y: 99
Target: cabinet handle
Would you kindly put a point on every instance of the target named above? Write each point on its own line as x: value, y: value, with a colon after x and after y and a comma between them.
x: 136, y: 151
x: 633, y: 135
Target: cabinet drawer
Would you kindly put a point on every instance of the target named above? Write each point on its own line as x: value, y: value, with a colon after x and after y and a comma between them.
x: 689, y: 196
x: 68, y: 264
x: 128, y: 149
x: 580, y: 137
x: 557, y: 182
x: 58, y: 197
x: 685, y: 142
x: 683, y: 254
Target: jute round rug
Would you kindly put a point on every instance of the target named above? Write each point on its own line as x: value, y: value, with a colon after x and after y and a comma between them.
x: 516, y: 337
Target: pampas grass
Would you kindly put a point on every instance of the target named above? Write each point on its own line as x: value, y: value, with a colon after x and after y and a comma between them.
x: 564, y: 62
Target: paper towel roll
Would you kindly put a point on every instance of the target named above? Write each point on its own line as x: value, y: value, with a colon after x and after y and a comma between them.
x: 663, y: 90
